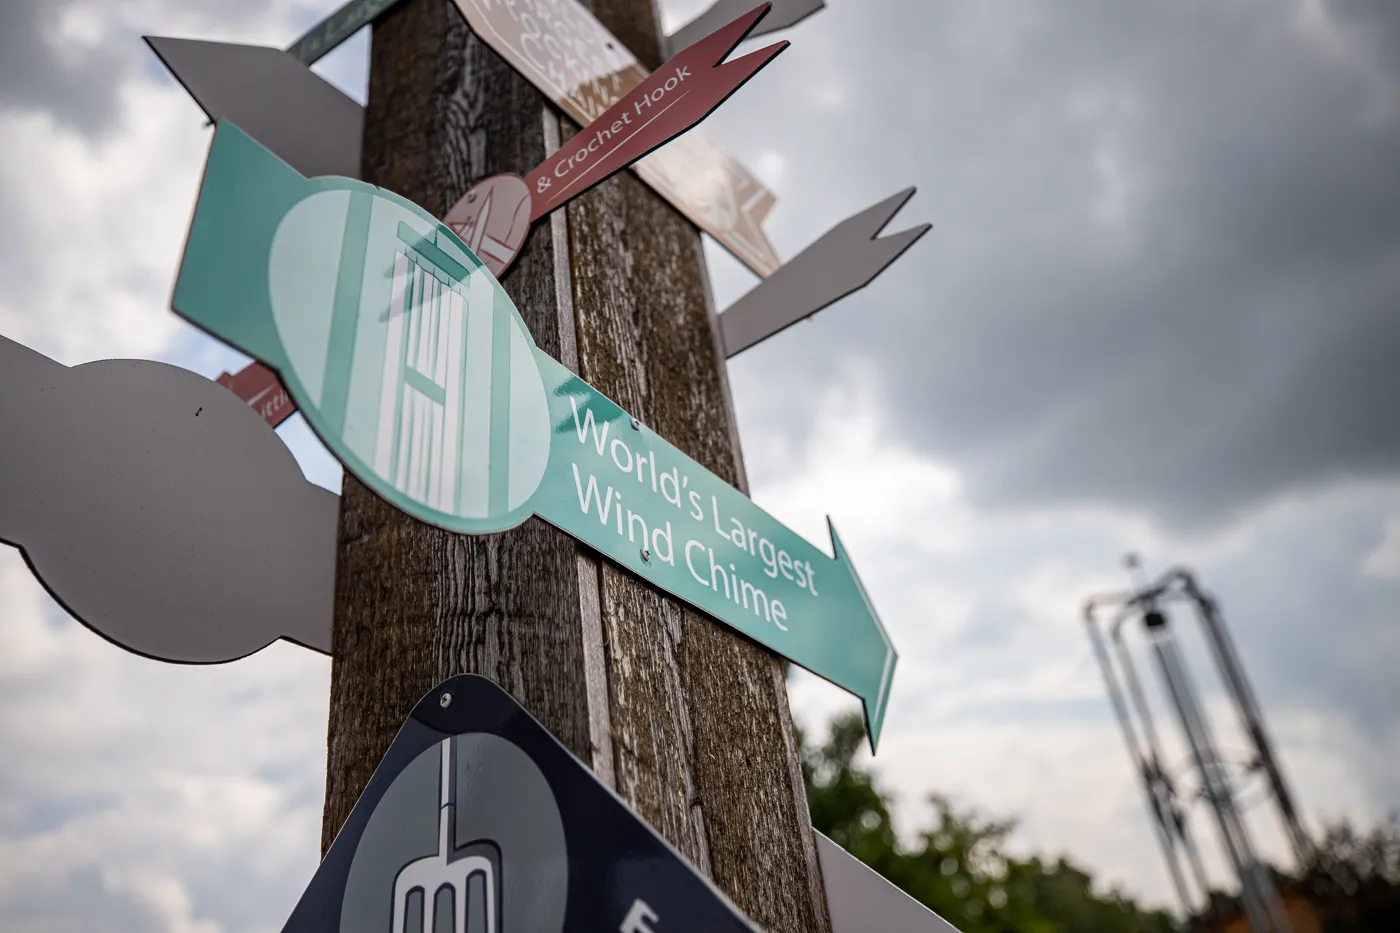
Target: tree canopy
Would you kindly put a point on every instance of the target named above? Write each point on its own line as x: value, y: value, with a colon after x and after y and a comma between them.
x: 959, y: 866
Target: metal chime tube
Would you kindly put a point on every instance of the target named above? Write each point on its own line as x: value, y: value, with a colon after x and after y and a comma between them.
x: 1253, y: 719
x: 1149, y: 728
x: 1257, y: 892
x: 1159, y: 806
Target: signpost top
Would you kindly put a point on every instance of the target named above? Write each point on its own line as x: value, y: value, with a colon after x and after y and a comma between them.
x: 494, y: 216
x: 311, y: 125
x: 578, y: 64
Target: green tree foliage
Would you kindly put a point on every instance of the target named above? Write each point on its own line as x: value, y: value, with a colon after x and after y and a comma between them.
x: 1352, y: 881
x: 958, y: 867
x: 1354, y: 878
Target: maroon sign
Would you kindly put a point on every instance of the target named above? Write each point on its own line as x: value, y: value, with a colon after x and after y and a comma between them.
x: 259, y: 387
x: 495, y: 215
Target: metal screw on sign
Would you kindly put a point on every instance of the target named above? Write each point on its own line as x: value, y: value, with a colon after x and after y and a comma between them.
x: 636, y: 425
x: 445, y: 700
x: 646, y: 554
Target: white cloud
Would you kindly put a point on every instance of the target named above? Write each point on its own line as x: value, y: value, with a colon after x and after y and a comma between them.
x: 110, y: 211
x: 102, y: 220
x: 164, y: 895
x: 676, y: 13
x: 1384, y: 561
x: 192, y: 793
x: 771, y: 167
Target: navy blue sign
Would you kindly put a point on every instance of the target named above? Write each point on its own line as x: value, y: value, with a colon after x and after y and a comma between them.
x: 479, y: 821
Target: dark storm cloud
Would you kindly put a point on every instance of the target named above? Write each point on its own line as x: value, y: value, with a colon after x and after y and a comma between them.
x: 1324, y: 639
x: 1165, y: 269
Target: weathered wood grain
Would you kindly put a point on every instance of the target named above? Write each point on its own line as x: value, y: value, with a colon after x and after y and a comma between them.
x: 685, y: 718
x: 415, y: 604
x: 700, y: 714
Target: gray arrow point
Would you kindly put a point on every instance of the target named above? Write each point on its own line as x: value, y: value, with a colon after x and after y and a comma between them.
x: 847, y: 258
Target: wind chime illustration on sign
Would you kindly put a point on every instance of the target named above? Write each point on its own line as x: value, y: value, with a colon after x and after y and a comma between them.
x: 394, y: 385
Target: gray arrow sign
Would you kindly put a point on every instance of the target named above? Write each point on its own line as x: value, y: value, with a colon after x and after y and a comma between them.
x: 298, y: 115
x: 859, y: 899
x: 784, y: 13
x: 160, y: 510
x: 847, y: 258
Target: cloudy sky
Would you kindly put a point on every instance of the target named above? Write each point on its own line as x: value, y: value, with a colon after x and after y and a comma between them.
x: 1157, y: 312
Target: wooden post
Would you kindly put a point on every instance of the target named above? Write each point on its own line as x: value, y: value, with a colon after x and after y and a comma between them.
x: 687, y: 720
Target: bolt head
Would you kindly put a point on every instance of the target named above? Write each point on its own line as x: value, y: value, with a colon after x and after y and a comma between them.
x: 445, y: 700
x: 646, y: 554
x: 636, y: 425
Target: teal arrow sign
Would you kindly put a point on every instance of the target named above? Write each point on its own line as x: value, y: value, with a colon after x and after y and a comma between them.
x: 413, y: 366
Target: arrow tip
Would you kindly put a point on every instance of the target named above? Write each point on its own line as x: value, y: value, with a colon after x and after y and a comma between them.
x: 164, y: 45
x: 878, y: 216
x: 156, y: 44
x: 874, y: 707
